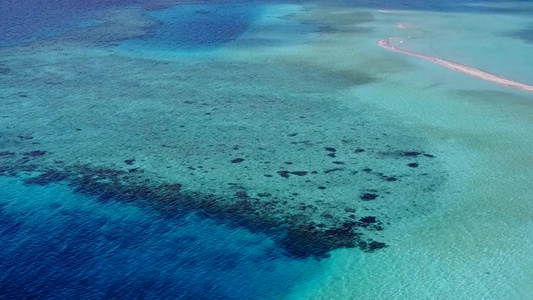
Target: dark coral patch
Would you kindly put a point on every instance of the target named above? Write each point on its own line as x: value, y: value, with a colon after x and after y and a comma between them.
x: 4, y: 71
x: 48, y: 177
x: 22, y: 161
x: 369, y: 219
x: 387, y: 178
x: 242, y: 195
x: 295, y: 232
x: 333, y: 170
x: 411, y: 154
x: 237, y: 160
x: 35, y: 153
x: 284, y: 174
x: 368, y: 196
x: 6, y: 153
x: 416, y: 154
x: 104, y: 191
x: 299, y: 173
x: 172, y: 187
x: 373, y: 246
x: 305, y: 241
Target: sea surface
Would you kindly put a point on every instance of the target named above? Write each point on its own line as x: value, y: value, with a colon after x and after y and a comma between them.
x: 264, y: 150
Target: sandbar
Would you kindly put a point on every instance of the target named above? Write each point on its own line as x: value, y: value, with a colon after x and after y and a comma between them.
x: 474, y: 72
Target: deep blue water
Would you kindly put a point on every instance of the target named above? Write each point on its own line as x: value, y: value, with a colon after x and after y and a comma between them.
x: 182, y: 27
x: 60, y: 245
x: 196, y: 27
x: 24, y: 20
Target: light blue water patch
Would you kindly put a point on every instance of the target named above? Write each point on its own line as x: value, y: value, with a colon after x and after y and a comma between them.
x: 197, y: 27
x: 60, y: 245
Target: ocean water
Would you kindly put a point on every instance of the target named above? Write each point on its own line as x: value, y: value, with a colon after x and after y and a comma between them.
x: 29, y: 20
x: 264, y: 150
x: 199, y: 26
x: 61, y: 245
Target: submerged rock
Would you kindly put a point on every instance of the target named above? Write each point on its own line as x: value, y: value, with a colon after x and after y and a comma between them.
x: 411, y: 153
x: 333, y: 170
x: 369, y: 219
x: 242, y: 195
x: 237, y: 160
x: 373, y: 246
x: 306, y: 241
x: 286, y: 174
x: 48, y: 177
x: 4, y: 71
x: 35, y: 153
x: 299, y: 173
x: 368, y: 196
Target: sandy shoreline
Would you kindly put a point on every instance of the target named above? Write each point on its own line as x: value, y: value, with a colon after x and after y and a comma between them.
x: 474, y: 72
